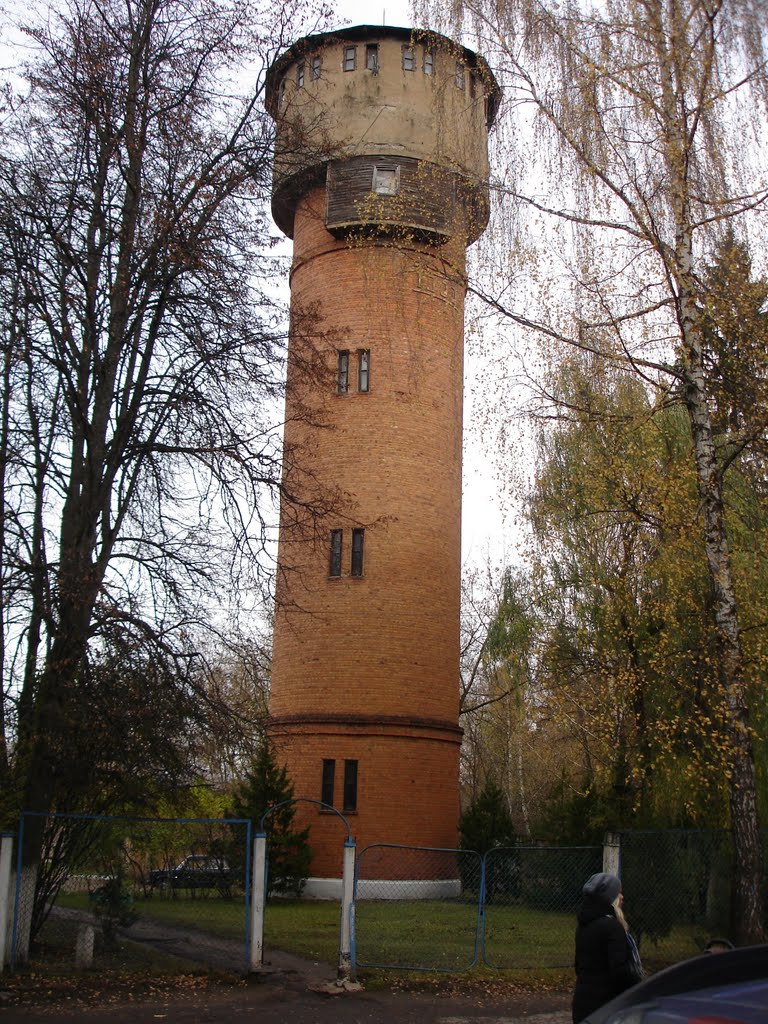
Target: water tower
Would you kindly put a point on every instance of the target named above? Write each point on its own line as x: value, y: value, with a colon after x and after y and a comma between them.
x: 381, y: 180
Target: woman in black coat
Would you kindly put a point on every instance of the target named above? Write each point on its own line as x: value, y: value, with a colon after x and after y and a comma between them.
x: 606, y: 956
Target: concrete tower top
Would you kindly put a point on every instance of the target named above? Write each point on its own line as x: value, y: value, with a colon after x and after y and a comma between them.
x: 394, y: 121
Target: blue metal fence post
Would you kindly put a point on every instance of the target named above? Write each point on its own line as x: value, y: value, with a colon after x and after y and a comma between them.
x: 22, y: 913
x: 481, y: 916
x: 247, y: 894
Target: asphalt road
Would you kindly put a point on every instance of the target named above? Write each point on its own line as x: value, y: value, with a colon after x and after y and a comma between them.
x: 278, y: 1003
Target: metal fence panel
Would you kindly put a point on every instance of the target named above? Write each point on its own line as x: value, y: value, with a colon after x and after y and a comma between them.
x: 531, y: 897
x: 178, y: 885
x: 677, y: 890
x: 417, y: 908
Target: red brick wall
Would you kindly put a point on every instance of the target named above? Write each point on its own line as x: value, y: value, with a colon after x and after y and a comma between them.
x: 381, y: 651
x: 407, y: 790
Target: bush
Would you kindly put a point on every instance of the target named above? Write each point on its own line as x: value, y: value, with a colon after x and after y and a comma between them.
x: 113, y: 907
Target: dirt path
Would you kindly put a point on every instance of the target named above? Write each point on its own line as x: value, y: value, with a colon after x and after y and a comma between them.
x: 287, y: 990
x: 207, y: 949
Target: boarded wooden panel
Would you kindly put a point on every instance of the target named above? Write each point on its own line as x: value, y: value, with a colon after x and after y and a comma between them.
x: 425, y: 199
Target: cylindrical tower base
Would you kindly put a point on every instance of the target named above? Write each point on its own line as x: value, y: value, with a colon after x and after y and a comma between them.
x: 407, y: 792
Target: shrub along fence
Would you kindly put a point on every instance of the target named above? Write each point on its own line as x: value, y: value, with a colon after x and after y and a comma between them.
x: 677, y: 890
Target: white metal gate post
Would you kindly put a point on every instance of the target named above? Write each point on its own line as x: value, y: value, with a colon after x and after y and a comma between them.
x: 6, y: 899
x: 612, y: 853
x: 258, y: 897
x: 347, y: 895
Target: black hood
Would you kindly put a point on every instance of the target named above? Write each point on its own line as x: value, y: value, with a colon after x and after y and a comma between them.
x: 593, y: 907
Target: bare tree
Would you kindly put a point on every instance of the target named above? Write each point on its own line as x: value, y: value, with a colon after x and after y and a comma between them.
x: 142, y: 351
x: 646, y: 118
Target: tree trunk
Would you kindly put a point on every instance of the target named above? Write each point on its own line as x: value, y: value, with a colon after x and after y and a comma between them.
x: 748, y: 907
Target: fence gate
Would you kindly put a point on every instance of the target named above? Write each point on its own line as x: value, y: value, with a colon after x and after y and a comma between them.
x: 138, y: 876
x: 531, y: 896
x: 417, y: 908
x: 261, y: 888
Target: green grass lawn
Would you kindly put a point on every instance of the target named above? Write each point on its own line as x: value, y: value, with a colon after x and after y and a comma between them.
x: 520, y: 937
x: 411, y: 935
x: 431, y: 934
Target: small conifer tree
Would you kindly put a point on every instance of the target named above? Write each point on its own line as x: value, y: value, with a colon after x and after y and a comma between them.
x: 487, y: 825
x: 267, y: 785
x: 487, y: 822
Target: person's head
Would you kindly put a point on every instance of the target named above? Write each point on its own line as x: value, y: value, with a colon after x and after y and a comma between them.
x: 602, y: 887
x: 606, y: 889
x: 718, y: 946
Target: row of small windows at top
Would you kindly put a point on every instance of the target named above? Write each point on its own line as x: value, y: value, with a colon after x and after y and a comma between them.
x: 409, y: 62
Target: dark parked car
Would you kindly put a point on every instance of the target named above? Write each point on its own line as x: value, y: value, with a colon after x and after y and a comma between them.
x: 727, y: 988
x: 197, y: 871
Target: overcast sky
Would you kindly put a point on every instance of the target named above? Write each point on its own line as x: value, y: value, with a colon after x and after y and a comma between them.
x: 374, y: 12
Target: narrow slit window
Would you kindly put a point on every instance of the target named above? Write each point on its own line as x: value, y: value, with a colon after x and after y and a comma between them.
x: 350, y: 58
x: 363, y: 370
x: 300, y: 75
x: 372, y: 57
x: 326, y: 785
x: 358, y: 543
x: 281, y: 93
x: 315, y: 66
x: 350, y: 785
x: 429, y: 62
x: 334, y: 562
x: 409, y: 58
x: 342, y: 373
x: 459, y: 75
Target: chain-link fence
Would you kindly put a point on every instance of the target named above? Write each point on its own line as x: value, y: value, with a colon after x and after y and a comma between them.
x: 417, y: 908
x: 181, y: 887
x: 177, y: 886
x: 531, y: 897
x: 677, y: 890
x: 426, y: 909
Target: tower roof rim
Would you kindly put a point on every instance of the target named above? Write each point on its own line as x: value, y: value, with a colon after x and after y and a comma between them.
x: 362, y: 32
